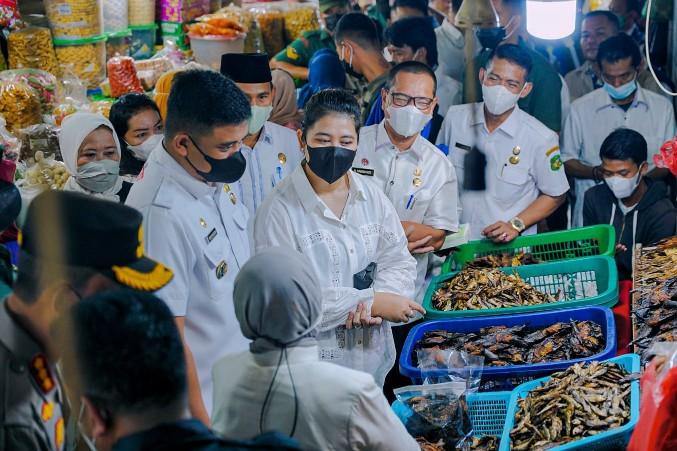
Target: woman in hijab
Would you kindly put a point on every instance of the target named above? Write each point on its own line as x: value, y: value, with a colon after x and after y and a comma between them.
x: 285, y: 112
x: 281, y: 384
x: 324, y: 71
x: 91, y: 153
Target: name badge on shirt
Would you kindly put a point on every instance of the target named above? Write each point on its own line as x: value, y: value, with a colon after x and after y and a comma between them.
x: 363, y: 171
x: 463, y: 146
x: 211, y: 235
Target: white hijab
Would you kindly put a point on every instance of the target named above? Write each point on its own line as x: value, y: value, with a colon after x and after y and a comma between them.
x: 74, y: 130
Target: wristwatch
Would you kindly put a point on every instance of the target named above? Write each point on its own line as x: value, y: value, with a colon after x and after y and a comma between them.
x: 517, y: 224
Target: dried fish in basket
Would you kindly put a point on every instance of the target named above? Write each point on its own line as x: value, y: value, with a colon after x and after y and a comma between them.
x: 484, y: 443
x: 503, y: 260
x: 474, y: 289
x: 584, y: 400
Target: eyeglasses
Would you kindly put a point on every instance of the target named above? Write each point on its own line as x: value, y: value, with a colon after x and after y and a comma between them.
x: 401, y: 100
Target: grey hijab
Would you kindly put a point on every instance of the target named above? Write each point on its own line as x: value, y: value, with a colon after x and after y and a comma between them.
x: 278, y: 300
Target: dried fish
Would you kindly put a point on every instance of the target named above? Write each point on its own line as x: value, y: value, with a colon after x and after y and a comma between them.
x: 581, y: 401
x: 503, y: 259
x: 473, y: 289
x: 503, y: 345
x: 441, y: 419
x: 430, y: 446
x: 484, y: 443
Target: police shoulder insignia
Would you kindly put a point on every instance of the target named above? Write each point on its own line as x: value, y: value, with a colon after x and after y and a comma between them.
x: 555, y: 163
x: 292, y: 54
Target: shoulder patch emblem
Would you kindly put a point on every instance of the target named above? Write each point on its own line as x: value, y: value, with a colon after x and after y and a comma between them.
x: 551, y: 151
x: 292, y: 54
x: 556, y: 163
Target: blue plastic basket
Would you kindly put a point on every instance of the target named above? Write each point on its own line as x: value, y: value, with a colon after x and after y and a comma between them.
x: 508, y: 377
x: 612, y: 439
x: 487, y: 412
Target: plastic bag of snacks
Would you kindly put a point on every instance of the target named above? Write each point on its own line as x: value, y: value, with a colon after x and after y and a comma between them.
x: 150, y: 71
x: 115, y: 16
x: 43, y: 173
x: 39, y: 138
x: 9, y: 142
x: 32, y: 48
x: 141, y: 12
x: 122, y: 76
x: 182, y: 10
x: 44, y: 83
x: 75, y: 19
x: 85, y: 57
x: 19, y: 105
x: 9, y: 15
x: 270, y: 21
x: 119, y: 43
x: 300, y: 18
x: 254, y: 41
x: 102, y: 107
x: 217, y: 26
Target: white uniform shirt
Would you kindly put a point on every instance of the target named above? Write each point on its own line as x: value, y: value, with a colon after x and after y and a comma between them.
x: 433, y: 203
x: 450, y: 50
x: 196, y: 230
x: 338, y: 408
x: 449, y: 91
x: 275, y: 156
x: 510, y: 188
x: 594, y: 116
x: 369, y: 231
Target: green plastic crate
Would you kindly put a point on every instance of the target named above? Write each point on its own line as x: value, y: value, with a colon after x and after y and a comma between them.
x: 583, y: 282
x: 547, y: 247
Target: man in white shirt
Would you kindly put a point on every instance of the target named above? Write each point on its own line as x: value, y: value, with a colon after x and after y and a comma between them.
x: 195, y: 222
x: 272, y: 151
x: 620, y: 103
x: 517, y: 155
x: 451, y: 45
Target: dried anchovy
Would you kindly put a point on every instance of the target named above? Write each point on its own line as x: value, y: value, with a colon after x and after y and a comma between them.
x: 655, y: 306
x: 430, y: 446
x: 474, y: 289
x: 485, y: 443
x: 502, y: 345
x: 583, y: 400
x: 504, y: 259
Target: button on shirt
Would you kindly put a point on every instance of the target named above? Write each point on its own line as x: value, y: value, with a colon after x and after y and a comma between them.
x: 275, y: 155
x: 594, y: 116
x: 433, y: 203
x: 368, y: 231
x: 197, y: 230
x: 31, y: 400
x: 511, y: 188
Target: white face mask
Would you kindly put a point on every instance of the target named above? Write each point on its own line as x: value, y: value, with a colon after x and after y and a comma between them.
x: 498, y: 99
x: 98, y: 176
x: 407, y: 121
x: 623, y: 187
x: 260, y: 115
x: 143, y: 150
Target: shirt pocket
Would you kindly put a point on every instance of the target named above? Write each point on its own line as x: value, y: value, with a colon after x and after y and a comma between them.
x: 414, y: 205
x: 510, y: 183
x: 219, y: 284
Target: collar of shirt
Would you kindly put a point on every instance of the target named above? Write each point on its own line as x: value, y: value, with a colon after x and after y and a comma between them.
x: 603, y: 100
x: 266, y: 137
x: 383, y: 142
x: 310, y: 200
x: 194, y: 186
x: 510, y: 126
x: 453, y: 34
x: 15, y: 338
x: 295, y: 355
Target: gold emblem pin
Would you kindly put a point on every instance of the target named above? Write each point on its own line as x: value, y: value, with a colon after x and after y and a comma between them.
x: 514, y: 159
x: 516, y: 150
x: 282, y: 157
x: 221, y: 269
x: 203, y: 223
x: 418, y: 172
x: 226, y: 188
x: 417, y: 182
x: 233, y: 198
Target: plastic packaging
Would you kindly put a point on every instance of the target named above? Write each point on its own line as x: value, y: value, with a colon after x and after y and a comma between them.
x: 43, y: 173
x: 10, y: 143
x: 75, y: 19
x: 9, y: 15
x: 86, y: 58
x: 115, y: 16
x: 209, y: 49
x: 300, y: 18
x: 39, y: 138
x: 19, y: 105
x: 270, y: 21
x: 667, y: 158
x: 150, y: 71
x: 254, y: 41
x: 143, y: 41
x: 141, y: 12
x: 102, y: 107
x: 119, y: 43
x: 44, y: 83
x: 32, y: 48
x: 122, y: 76
x: 182, y: 10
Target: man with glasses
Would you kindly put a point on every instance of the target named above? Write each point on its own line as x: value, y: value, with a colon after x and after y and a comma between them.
x: 519, y: 156
x: 417, y: 178
x: 621, y: 102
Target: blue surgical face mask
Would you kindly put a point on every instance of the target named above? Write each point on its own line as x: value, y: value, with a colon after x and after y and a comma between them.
x: 623, y: 91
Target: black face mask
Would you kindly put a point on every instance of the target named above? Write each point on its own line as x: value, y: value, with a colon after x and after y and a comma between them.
x: 228, y: 170
x: 331, y: 21
x: 490, y: 37
x: 330, y: 163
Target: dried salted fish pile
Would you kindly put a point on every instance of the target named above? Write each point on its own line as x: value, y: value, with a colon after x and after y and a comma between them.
x: 485, y: 443
x: 441, y: 419
x: 504, y: 259
x: 502, y: 345
x: 655, y: 302
x: 430, y: 446
x: 579, y: 402
x: 474, y: 289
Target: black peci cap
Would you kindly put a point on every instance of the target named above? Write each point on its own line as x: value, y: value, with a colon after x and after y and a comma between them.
x: 74, y: 229
x: 246, y: 67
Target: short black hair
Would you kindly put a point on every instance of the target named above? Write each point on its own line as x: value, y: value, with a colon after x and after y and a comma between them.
x: 411, y: 67
x: 611, y: 17
x: 513, y: 53
x: 633, y: 5
x: 420, y: 5
x: 456, y: 5
x: 624, y: 144
x: 128, y: 355
x: 358, y: 28
x: 330, y: 101
x: 201, y: 100
x: 618, y: 48
x: 127, y: 107
x: 415, y: 32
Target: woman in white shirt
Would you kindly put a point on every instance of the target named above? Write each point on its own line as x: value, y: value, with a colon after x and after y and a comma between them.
x: 281, y: 384
x: 350, y: 233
